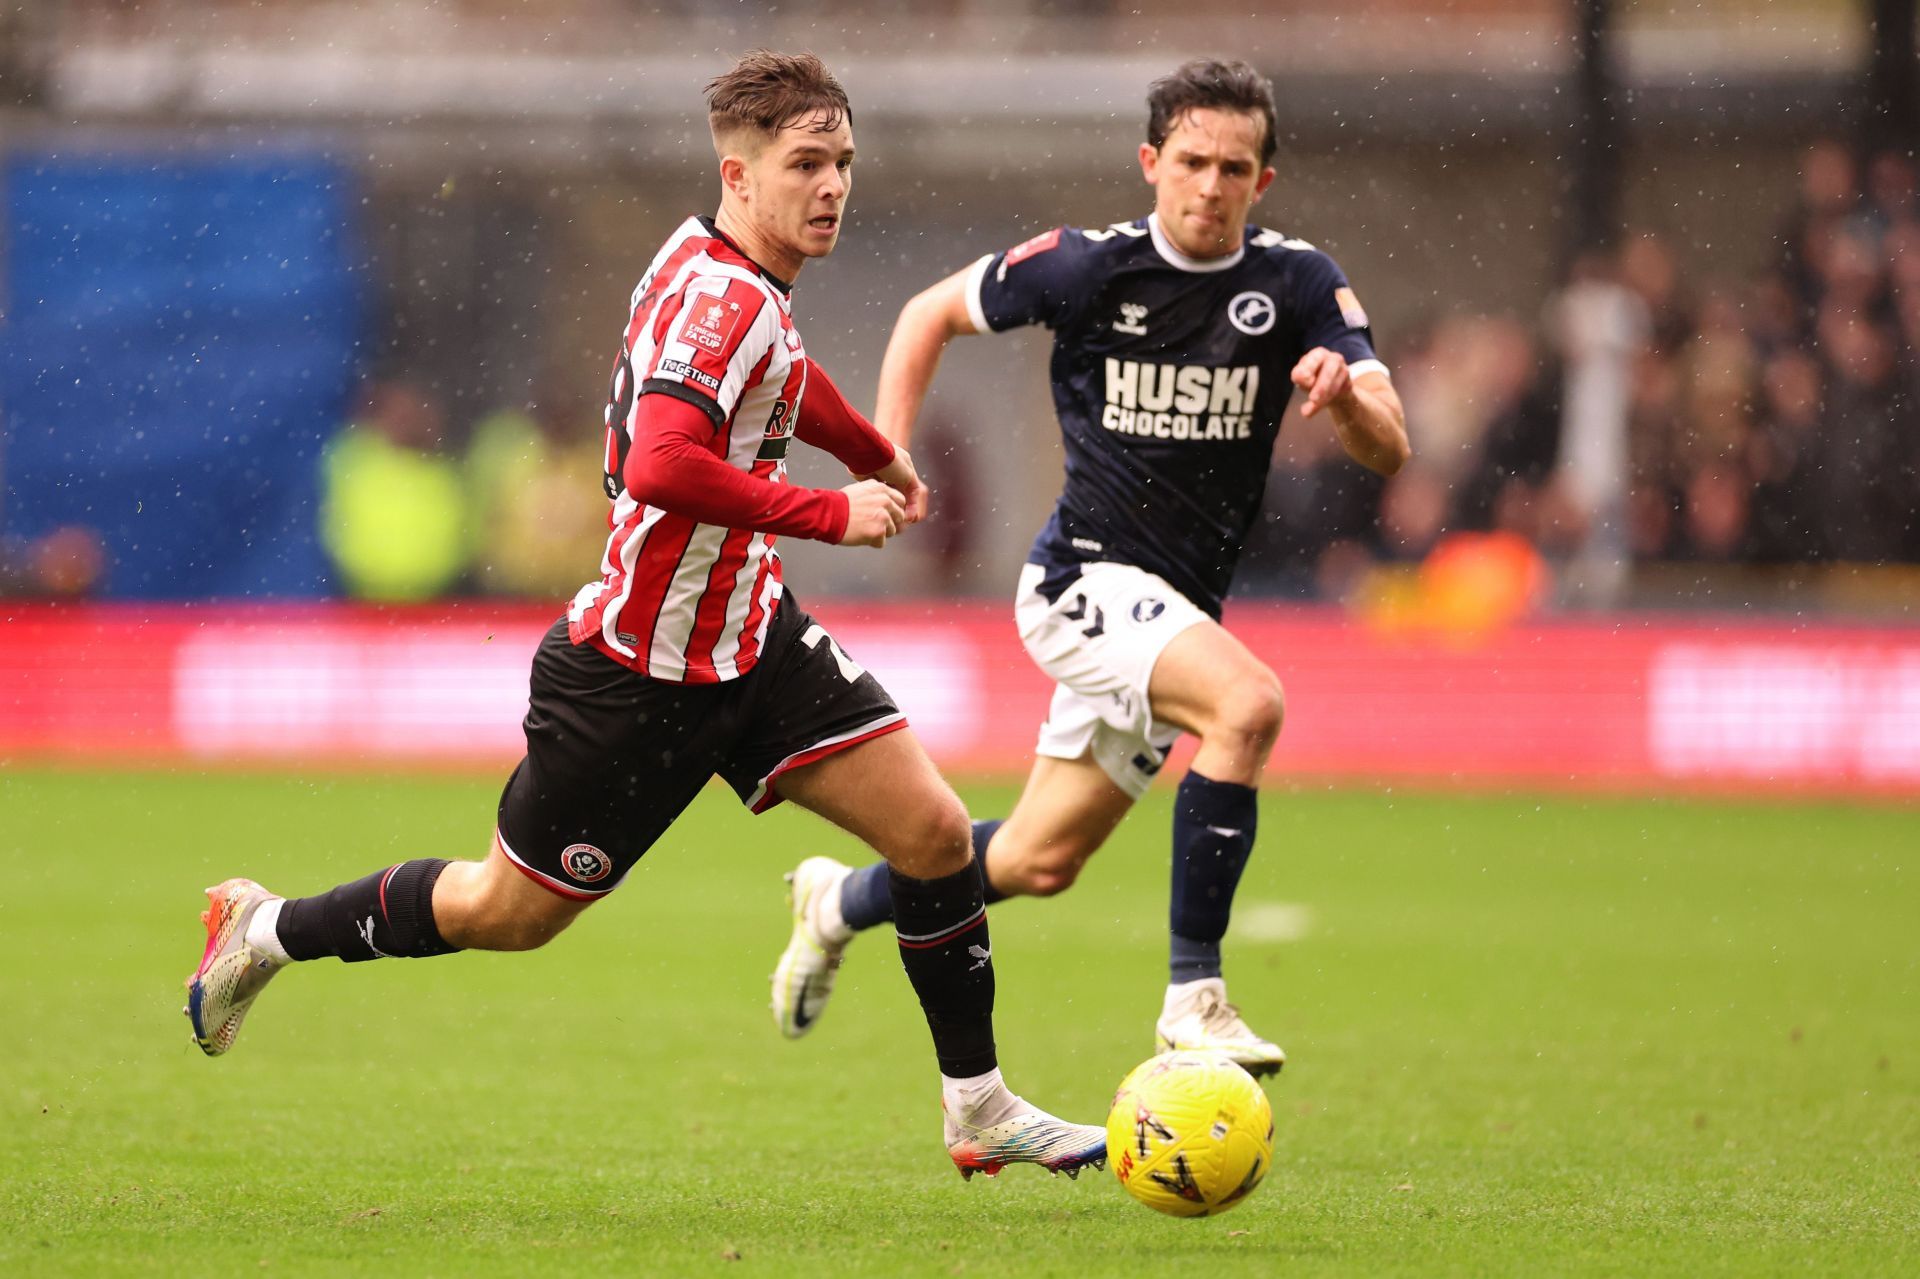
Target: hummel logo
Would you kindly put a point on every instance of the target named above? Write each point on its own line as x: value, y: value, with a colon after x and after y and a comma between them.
x: 981, y: 955
x: 1132, y: 319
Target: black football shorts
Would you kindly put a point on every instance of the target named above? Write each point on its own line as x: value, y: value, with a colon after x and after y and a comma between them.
x: 613, y: 757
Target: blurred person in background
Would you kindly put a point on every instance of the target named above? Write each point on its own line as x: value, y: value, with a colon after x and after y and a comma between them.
x: 1648, y: 266
x: 393, y: 501
x: 526, y: 469
x: 1599, y: 327
x: 948, y: 543
x: 1866, y: 491
x: 1786, y: 458
x: 687, y: 658
x: 65, y: 563
x: 1511, y: 389
x: 1178, y: 340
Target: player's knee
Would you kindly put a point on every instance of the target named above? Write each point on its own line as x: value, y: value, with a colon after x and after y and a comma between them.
x: 515, y: 921
x: 1254, y: 710
x: 529, y: 930
x: 1050, y: 870
x: 934, y: 840
x: 949, y: 831
x: 1053, y: 879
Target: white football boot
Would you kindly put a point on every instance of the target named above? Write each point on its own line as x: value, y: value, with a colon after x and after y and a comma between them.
x: 1002, y: 1129
x: 803, y: 979
x: 1198, y: 1018
x: 232, y: 971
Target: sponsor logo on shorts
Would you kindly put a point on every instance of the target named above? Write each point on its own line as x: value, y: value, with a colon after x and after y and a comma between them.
x: 1252, y: 312
x: 1146, y: 610
x: 585, y: 863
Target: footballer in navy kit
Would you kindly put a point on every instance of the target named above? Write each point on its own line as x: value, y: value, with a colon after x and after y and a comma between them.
x: 1178, y: 340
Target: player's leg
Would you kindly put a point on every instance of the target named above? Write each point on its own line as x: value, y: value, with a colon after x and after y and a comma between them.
x: 886, y: 792
x: 1097, y: 750
x: 1064, y: 814
x: 564, y: 839
x: 415, y: 910
x: 1209, y: 683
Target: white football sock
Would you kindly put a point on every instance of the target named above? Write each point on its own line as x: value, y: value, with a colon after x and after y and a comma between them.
x: 827, y: 921
x: 978, y: 1099
x: 1184, y: 996
x: 263, y: 931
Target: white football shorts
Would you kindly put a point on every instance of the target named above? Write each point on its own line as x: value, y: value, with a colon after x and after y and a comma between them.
x: 1099, y: 641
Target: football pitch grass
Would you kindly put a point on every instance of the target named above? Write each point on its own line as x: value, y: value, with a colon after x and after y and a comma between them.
x: 1527, y: 1035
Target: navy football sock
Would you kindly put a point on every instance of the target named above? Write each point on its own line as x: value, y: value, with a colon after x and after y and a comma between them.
x: 1213, y: 829
x: 388, y: 914
x: 942, y: 928
x: 982, y: 836
x: 866, y: 898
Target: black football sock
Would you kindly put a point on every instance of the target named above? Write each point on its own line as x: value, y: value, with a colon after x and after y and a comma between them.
x: 942, y: 928
x: 1213, y: 829
x: 389, y: 914
x: 866, y: 898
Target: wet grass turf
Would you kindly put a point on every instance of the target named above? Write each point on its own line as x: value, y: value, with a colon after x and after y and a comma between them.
x: 1528, y: 1036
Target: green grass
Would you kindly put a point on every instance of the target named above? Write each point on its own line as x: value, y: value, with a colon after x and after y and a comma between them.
x: 1529, y: 1036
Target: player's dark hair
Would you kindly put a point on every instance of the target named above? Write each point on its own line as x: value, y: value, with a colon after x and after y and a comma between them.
x: 1209, y: 83
x: 766, y: 91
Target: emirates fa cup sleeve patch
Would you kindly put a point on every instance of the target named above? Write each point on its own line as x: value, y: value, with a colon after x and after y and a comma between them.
x: 709, y: 325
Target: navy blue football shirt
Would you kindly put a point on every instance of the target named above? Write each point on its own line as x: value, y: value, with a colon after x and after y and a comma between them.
x: 1170, y: 376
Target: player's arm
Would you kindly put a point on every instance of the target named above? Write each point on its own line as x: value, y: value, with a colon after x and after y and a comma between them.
x: 670, y: 466
x: 827, y: 421
x: 927, y: 323
x: 1367, y: 414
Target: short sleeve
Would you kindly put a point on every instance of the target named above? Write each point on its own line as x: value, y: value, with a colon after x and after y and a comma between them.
x: 709, y: 345
x: 1035, y: 282
x: 1331, y: 314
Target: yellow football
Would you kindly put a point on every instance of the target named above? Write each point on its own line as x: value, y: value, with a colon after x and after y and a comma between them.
x: 1190, y: 1133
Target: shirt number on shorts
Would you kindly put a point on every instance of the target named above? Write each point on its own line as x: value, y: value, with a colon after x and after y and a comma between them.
x: 850, y: 670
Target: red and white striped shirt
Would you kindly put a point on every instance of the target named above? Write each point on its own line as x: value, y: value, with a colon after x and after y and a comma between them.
x: 680, y: 600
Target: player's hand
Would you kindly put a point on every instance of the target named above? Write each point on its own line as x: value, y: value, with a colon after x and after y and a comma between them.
x: 900, y: 474
x: 875, y: 512
x: 1323, y: 375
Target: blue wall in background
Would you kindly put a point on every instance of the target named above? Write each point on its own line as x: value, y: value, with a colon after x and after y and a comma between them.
x: 179, y: 340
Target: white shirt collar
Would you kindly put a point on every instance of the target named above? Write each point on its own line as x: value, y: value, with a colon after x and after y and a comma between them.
x: 1181, y: 260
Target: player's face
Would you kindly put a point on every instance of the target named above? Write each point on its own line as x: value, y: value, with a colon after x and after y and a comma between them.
x: 795, y: 192
x: 1205, y: 177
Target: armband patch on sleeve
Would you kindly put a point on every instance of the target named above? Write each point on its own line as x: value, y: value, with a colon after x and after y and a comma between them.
x: 1031, y: 248
x: 709, y: 324
x: 1350, y: 309
x: 689, y: 373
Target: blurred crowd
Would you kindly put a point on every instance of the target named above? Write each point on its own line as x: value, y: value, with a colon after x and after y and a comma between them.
x: 1646, y: 415
x: 514, y: 510
x: 1765, y: 420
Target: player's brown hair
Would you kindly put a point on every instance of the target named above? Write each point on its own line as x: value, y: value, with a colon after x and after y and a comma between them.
x: 764, y: 92
x: 1210, y: 83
